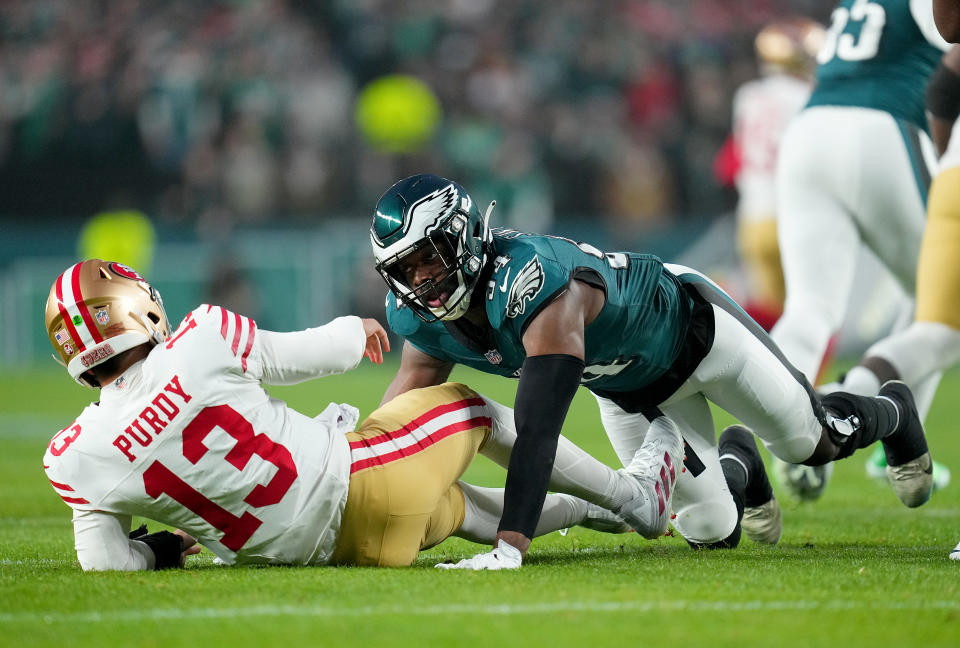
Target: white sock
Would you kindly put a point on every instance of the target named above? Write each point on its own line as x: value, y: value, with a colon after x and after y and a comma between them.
x: 924, y: 392
x: 484, y: 507
x: 920, y: 350
x: 861, y: 381
x: 574, y: 471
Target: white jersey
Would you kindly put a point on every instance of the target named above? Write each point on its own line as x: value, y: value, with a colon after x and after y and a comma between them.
x: 188, y: 437
x: 762, y: 108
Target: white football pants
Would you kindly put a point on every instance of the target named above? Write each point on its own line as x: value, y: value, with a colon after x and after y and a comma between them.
x: 846, y: 177
x: 744, y: 374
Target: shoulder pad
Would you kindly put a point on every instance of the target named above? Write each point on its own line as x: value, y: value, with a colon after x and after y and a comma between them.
x: 223, y: 327
x: 401, y: 319
x: 525, y: 276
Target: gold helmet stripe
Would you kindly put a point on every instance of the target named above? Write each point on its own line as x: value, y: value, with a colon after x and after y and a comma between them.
x: 85, y: 333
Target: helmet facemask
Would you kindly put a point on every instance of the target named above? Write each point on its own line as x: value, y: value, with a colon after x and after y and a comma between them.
x: 430, y: 223
x: 446, y: 295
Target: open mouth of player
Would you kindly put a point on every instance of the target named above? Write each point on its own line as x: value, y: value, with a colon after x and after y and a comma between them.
x: 437, y: 300
x: 440, y: 292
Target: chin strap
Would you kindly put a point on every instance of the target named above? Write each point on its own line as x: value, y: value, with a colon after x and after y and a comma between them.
x: 487, y: 242
x: 486, y: 220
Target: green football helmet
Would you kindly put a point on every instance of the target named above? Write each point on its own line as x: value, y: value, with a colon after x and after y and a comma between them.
x: 427, y: 210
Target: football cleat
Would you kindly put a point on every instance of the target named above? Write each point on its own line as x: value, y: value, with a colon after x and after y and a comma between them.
x: 804, y: 483
x: 909, y: 467
x: 876, y: 467
x: 654, y: 470
x: 763, y: 524
x: 955, y: 553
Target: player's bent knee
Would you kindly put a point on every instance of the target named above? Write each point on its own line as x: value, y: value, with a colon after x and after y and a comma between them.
x: 707, y: 522
x: 794, y: 450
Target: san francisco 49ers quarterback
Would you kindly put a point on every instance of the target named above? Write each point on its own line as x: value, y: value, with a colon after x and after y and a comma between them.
x: 185, y: 434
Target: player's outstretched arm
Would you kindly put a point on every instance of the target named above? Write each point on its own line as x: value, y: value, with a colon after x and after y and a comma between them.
x: 334, y: 348
x: 417, y: 369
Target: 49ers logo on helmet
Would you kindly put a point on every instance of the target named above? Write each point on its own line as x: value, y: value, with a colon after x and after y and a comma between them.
x: 126, y: 271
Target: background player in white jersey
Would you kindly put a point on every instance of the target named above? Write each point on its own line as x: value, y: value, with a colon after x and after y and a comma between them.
x: 762, y: 108
x: 854, y: 171
x: 185, y: 434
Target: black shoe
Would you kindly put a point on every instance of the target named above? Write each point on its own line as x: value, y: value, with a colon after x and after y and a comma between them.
x: 909, y: 467
x: 762, y: 518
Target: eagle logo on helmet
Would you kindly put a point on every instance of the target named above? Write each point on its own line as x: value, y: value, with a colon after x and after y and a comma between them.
x: 526, y: 285
x: 434, y: 206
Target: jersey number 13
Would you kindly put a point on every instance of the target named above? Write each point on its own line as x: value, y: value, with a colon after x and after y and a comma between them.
x: 159, y: 480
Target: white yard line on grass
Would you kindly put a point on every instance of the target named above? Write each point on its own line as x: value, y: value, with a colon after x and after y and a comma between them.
x: 470, y: 609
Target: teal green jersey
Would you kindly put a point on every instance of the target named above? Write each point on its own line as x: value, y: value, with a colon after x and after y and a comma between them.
x: 640, y: 335
x: 876, y: 55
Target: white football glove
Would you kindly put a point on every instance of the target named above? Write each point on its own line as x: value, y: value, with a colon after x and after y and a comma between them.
x: 503, y: 556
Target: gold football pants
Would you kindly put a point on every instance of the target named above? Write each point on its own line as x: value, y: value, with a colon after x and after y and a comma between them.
x: 760, y: 253
x: 938, y: 270
x: 406, y: 458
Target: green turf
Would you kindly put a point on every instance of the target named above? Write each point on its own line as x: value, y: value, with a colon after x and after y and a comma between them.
x: 854, y: 569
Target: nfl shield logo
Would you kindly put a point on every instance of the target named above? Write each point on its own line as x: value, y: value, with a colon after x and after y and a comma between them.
x: 103, y: 317
x: 493, y: 356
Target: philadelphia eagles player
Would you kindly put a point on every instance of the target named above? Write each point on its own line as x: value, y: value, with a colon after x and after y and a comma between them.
x: 931, y: 343
x: 853, y: 172
x: 652, y: 341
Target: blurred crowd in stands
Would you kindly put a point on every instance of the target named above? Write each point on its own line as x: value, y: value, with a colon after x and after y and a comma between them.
x: 213, y: 114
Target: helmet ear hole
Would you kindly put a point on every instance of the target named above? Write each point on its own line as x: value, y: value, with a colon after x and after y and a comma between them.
x: 153, y: 317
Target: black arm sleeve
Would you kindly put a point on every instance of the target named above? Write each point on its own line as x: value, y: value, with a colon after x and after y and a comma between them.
x: 943, y: 93
x: 547, y: 385
x: 166, y: 547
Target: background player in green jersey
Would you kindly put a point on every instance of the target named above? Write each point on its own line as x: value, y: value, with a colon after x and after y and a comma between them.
x: 653, y: 342
x: 931, y: 343
x: 853, y: 171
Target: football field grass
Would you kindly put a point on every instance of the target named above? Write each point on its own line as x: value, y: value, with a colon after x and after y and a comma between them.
x: 854, y: 569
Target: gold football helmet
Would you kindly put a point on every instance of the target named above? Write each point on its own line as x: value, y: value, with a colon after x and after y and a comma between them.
x: 98, y: 309
x: 790, y: 45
